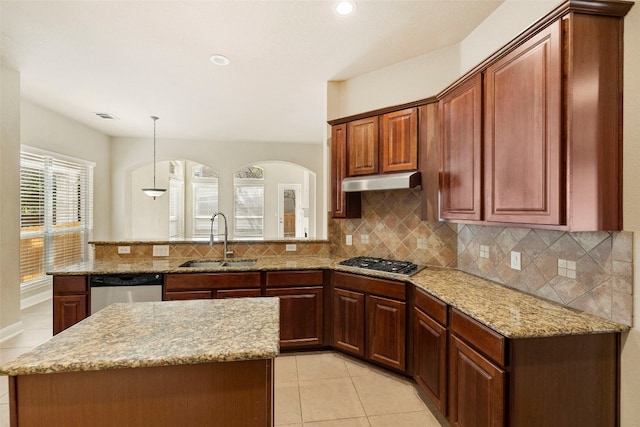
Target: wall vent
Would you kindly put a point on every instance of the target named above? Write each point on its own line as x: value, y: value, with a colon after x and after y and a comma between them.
x: 106, y: 116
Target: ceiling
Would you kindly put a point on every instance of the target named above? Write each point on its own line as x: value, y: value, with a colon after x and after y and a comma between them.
x: 134, y: 59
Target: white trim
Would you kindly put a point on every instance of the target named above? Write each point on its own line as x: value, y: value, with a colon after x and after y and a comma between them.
x: 11, y: 331
x: 58, y: 156
x: 45, y: 294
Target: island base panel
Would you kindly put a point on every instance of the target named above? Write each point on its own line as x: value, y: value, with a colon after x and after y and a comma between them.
x: 230, y: 394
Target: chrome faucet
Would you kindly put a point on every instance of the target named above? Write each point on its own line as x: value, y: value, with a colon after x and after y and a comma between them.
x: 226, y: 233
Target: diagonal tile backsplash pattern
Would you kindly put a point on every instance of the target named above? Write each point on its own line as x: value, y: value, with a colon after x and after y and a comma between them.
x: 390, y: 227
x: 590, y: 271
x: 598, y: 279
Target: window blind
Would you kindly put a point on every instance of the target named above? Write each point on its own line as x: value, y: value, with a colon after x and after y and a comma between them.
x: 205, y: 204
x: 56, y: 213
x: 249, y: 211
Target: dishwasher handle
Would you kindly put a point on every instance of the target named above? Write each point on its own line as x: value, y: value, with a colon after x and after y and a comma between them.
x: 138, y: 279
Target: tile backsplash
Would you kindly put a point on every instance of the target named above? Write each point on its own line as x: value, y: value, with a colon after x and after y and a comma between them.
x: 588, y: 271
x: 591, y: 271
x: 390, y: 227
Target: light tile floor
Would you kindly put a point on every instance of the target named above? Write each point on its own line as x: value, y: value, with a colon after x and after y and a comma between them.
x: 318, y: 389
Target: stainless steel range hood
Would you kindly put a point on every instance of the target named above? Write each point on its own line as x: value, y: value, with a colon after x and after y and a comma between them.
x: 391, y: 181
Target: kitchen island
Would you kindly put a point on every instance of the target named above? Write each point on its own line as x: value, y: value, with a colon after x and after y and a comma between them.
x: 203, y: 362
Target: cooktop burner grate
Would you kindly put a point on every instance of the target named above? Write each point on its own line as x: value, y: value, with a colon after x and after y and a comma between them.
x: 381, y: 264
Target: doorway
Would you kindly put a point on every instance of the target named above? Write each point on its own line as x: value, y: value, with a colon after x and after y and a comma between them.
x: 289, y: 211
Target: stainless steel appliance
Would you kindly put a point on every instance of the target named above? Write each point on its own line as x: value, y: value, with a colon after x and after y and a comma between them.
x: 108, y: 289
x: 380, y: 264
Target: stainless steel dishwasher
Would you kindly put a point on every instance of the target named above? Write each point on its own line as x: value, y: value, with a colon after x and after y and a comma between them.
x: 112, y: 288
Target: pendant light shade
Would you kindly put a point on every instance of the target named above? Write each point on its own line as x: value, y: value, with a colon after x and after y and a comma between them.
x: 155, y: 191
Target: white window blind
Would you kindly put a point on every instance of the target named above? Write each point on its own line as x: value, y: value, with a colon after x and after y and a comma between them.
x: 176, y: 208
x: 56, y: 214
x: 249, y: 211
x: 249, y: 203
x: 205, y: 199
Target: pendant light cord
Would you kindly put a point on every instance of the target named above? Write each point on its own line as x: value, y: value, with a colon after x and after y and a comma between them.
x: 154, y: 150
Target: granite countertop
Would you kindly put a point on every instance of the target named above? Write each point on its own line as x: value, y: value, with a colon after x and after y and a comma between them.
x: 509, y: 312
x: 159, y: 334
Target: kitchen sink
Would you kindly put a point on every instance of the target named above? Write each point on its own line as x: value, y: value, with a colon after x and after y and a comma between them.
x: 228, y: 263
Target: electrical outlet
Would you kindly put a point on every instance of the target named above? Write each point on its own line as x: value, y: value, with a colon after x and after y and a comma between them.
x: 290, y: 248
x: 160, y: 250
x: 364, y: 238
x: 349, y: 240
x: 516, y: 261
x: 124, y: 249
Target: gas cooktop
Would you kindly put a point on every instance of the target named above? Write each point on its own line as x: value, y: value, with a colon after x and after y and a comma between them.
x: 380, y: 264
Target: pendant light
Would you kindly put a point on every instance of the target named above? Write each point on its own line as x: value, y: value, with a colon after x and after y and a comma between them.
x: 154, y: 192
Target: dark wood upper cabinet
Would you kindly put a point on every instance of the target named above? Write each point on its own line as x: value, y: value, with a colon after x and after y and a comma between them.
x: 362, y: 146
x: 523, y: 133
x: 343, y: 205
x: 550, y: 120
x: 460, y: 113
x: 399, y: 142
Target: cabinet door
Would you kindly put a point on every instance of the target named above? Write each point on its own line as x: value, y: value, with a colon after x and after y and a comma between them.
x: 68, y: 310
x: 301, y: 316
x: 348, y: 321
x: 343, y: 205
x: 362, y: 146
x: 461, y: 152
x: 399, y: 141
x: 523, y: 133
x: 476, y: 388
x: 430, y: 358
x: 386, y: 330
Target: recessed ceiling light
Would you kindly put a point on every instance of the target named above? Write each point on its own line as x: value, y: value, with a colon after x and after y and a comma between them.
x: 219, y: 59
x: 345, y: 7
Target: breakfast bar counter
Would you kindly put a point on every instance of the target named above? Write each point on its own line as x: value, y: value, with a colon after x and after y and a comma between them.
x: 160, y: 363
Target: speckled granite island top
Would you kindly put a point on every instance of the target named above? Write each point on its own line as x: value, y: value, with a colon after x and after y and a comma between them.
x: 159, y: 334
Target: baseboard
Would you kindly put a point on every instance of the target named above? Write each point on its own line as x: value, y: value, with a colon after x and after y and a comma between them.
x: 11, y: 331
x: 37, y: 293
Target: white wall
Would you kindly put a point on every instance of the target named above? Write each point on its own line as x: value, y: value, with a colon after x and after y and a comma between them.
x: 47, y: 130
x: 371, y: 91
x: 9, y: 202
x: 417, y: 78
x: 630, y: 389
x: 129, y: 154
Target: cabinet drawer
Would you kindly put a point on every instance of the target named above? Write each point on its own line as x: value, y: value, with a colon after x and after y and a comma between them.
x: 238, y: 293
x: 69, y: 284
x: 432, y: 306
x: 482, y: 338
x: 211, y: 281
x: 187, y: 295
x: 369, y: 285
x: 294, y: 278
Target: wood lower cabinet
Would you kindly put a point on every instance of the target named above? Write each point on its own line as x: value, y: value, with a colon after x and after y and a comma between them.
x: 348, y: 321
x: 430, y: 348
x: 386, y: 331
x: 477, y: 386
x: 70, y: 301
x: 496, y: 381
x: 301, y: 296
x: 369, y: 319
x: 211, y: 285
